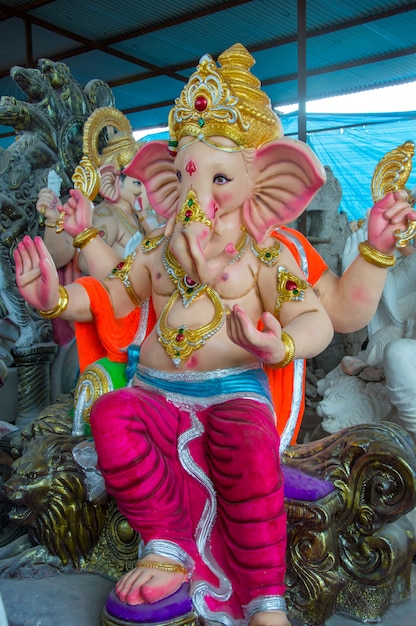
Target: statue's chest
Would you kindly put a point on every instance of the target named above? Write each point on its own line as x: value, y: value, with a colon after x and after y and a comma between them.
x: 235, y: 282
x: 191, y: 313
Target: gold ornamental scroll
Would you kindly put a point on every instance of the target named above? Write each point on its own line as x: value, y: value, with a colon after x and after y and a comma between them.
x: 391, y: 174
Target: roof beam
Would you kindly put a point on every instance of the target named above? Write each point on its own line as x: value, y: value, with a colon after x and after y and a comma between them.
x: 29, y: 44
x: 104, y: 46
x: 9, y: 12
x: 343, y: 66
x: 301, y: 74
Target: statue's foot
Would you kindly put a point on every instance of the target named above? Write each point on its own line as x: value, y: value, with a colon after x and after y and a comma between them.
x: 151, y: 580
x: 269, y: 618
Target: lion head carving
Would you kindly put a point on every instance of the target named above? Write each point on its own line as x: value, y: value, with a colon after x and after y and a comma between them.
x: 48, y: 494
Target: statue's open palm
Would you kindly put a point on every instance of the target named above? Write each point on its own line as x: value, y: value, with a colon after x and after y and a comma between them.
x: 266, y: 345
x: 36, y: 275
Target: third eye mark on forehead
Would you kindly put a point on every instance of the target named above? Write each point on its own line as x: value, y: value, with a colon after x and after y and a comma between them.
x: 190, y: 167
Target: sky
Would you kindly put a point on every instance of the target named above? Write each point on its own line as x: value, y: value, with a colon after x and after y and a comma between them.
x: 387, y: 99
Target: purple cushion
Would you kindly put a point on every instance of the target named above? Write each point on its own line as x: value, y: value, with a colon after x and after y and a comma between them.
x: 301, y: 486
x: 176, y: 605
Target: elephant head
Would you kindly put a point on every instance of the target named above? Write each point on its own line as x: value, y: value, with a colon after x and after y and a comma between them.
x: 118, y: 188
x: 228, y: 166
x: 209, y: 189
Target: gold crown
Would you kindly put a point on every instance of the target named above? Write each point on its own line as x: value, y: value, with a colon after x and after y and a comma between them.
x: 225, y: 101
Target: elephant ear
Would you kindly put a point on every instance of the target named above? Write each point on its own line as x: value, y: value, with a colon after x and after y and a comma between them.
x: 286, y: 175
x: 155, y: 168
x: 109, y: 182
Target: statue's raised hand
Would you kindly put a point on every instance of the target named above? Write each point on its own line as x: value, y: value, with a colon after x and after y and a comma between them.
x: 48, y: 205
x: 389, y: 214
x: 36, y: 275
x: 78, y: 213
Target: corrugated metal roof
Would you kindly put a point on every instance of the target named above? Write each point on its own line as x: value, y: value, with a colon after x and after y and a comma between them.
x: 146, y: 50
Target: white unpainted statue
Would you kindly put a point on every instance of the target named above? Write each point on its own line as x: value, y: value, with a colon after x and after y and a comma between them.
x: 379, y: 383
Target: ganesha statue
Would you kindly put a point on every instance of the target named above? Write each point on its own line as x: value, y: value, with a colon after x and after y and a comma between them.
x: 190, y: 449
x: 214, y: 272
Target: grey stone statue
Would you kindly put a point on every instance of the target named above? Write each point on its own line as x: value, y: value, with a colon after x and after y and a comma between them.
x: 49, y: 126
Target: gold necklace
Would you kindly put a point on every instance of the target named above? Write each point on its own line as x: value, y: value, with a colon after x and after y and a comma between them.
x: 150, y: 243
x: 189, y: 289
x: 241, y: 247
x: 131, y: 228
x: 268, y: 256
x: 181, y: 342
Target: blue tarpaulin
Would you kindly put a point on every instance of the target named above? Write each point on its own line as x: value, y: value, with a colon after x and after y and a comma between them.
x: 351, y: 145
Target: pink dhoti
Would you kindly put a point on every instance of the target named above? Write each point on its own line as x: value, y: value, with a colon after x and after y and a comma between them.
x: 192, y: 460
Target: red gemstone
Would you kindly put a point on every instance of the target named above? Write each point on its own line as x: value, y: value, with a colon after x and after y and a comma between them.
x: 120, y: 265
x: 179, y: 337
x: 200, y: 103
x: 189, y: 281
x: 291, y: 285
x: 188, y: 213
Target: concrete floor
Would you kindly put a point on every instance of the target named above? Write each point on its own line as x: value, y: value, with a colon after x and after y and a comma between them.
x: 77, y: 599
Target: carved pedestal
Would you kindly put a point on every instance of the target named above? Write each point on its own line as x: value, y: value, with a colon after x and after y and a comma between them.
x: 352, y: 552
x: 350, y: 546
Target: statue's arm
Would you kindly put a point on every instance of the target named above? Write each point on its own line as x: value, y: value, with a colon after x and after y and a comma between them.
x: 96, y: 257
x: 351, y: 301
x: 304, y: 319
x: 60, y: 246
x: 105, y: 257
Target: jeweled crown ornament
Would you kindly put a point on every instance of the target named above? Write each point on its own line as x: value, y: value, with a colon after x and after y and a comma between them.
x: 224, y: 101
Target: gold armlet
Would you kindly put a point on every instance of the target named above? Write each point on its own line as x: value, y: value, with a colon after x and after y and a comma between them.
x: 85, y: 237
x: 373, y: 256
x: 59, y: 308
x: 290, y: 351
x: 122, y: 272
x: 290, y: 288
x: 166, y: 567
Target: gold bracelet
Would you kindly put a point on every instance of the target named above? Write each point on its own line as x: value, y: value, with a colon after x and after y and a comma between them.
x: 290, y: 351
x: 59, y: 308
x: 85, y: 237
x: 373, y: 256
x: 49, y: 224
x: 166, y: 567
